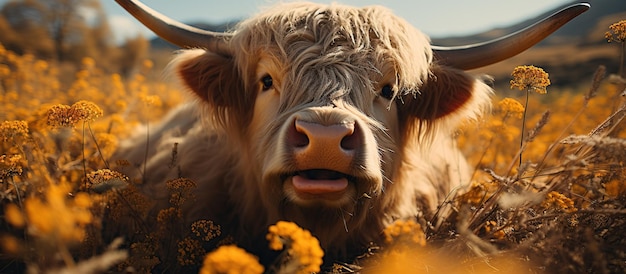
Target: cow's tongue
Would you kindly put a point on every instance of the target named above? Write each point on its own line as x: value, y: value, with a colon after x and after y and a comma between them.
x: 319, y: 182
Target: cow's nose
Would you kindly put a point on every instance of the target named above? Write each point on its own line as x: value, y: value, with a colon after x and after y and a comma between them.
x: 318, y: 146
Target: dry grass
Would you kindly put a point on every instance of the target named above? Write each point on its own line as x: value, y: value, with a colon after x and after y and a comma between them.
x: 561, y: 210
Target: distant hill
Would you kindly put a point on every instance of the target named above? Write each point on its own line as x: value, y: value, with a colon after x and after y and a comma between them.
x: 579, y: 30
x: 570, y: 55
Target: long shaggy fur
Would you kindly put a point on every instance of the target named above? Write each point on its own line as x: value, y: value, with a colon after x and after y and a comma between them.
x: 325, y: 61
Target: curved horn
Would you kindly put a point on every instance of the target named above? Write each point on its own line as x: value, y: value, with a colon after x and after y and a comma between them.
x: 482, y: 54
x: 177, y: 33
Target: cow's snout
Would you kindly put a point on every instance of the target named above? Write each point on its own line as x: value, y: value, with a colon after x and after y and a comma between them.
x: 320, y: 146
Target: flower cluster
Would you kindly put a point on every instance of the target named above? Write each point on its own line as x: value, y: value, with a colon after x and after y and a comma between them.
x: 530, y: 78
x: 181, y: 190
x: 67, y: 116
x: 55, y: 217
x: 617, y: 32
x: 152, y: 100
x: 302, y: 247
x: 10, y: 165
x: 491, y: 227
x: 405, y: 230
x: 557, y: 201
x: 511, y: 107
x: 190, y: 251
x: 11, y: 130
x: 102, y: 180
x: 206, y: 230
x: 231, y: 259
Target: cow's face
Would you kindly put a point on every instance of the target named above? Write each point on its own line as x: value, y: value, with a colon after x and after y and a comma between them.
x: 323, y: 100
x: 324, y: 143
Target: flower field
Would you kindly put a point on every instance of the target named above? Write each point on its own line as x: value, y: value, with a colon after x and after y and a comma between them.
x: 548, y: 192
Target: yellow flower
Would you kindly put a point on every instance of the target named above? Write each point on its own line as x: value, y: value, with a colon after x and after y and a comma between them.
x: 10, y: 166
x: 557, y: 201
x: 147, y: 64
x: 87, y: 111
x: 190, y: 251
x: 56, y: 216
x: 512, y: 107
x: 205, y: 230
x: 490, y: 227
x: 61, y: 116
x: 11, y: 244
x: 302, y: 247
x: 103, y: 180
x: 617, y: 32
x: 181, y: 190
x: 88, y: 62
x: 11, y: 130
x: 409, y: 230
x: 14, y: 216
x: 65, y: 116
x: 152, y: 100
x: 530, y: 78
x: 230, y: 259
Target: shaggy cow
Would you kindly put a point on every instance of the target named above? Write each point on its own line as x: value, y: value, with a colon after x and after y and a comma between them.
x: 336, y: 118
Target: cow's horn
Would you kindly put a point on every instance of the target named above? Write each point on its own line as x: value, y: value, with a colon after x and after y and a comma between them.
x: 177, y: 33
x: 482, y: 54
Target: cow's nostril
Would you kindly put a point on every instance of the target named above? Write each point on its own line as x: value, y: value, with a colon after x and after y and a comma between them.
x: 351, y: 141
x: 297, y: 136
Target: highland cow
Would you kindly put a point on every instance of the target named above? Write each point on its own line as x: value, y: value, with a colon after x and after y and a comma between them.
x: 339, y: 119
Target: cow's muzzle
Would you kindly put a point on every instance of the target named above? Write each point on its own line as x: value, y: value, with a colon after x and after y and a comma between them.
x: 328, y: 150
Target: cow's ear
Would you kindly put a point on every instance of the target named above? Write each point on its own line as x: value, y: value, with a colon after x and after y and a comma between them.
x: 446, y: 91
x: 212, y: 77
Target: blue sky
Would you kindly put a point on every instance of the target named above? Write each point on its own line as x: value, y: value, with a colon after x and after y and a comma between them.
x: 437, y: 18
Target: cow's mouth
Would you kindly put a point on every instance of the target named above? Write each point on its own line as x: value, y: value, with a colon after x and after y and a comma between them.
x: 318, y: 184
x: 319, y: 181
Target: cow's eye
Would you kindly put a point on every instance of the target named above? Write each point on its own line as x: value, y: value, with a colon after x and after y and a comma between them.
x: 267, y: 82
x: 387, y: 92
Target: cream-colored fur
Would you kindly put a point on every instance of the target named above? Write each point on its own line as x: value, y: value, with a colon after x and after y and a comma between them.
x: 328, y: 63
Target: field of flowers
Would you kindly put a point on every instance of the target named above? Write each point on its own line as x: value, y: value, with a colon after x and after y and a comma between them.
x: 548, y: 192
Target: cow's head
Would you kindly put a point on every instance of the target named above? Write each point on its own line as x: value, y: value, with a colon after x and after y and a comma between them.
x: 322, y: 100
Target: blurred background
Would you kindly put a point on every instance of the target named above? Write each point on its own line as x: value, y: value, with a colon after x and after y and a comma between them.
x: 66, y: 31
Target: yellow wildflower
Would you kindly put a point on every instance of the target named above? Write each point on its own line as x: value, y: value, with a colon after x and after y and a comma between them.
x: 152, y: 100
x: 61, y: 116
x: 302, y: 246
x: 190, y: 251
x: 405, y: 230
x: 66, y: 116
x: 478, y: 192
x: 230, y: 259
x: 181, y: 189
x: 88, y: 62
x: 205, y: 230
x: 14, y: 216
x: 557, y: 201
x: 87, y: 111
x: 530, y: 78
x: 56, y: 216
x: 11, y: 130
x: 147, y: 64
x: 617, y: 32
x: 102, y: 180
x: 10, y: 166
x: 10, y: 244
x: 491, y: 227
x: 511, y: 107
